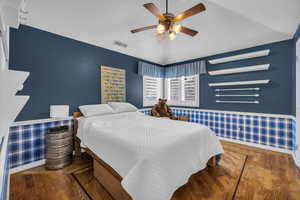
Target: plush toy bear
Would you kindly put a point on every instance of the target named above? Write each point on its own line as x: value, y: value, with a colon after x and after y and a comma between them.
x: 162, y: 110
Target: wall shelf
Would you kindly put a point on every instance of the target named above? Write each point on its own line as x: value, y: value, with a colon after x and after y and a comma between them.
x: 239, y: 102
x: 261, y: 53
x: 237, y: 95
x: 237, y: 89
x: 239, y: 83
x: 240, y: 70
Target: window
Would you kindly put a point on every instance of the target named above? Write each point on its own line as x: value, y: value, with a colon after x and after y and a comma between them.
x: 152, y: 90
x: 183, y: 91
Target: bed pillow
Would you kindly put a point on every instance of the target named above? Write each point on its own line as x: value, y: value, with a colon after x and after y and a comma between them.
x: 119, y: 107
x: 97, y: 109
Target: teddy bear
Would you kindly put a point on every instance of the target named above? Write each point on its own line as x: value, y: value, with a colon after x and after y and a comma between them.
x: 161, y: 109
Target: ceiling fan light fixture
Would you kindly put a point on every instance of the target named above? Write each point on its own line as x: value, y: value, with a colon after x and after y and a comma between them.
x: 176, y: 28
x: 172, y: 35
x: 160, y: 28
x: 167, y: 21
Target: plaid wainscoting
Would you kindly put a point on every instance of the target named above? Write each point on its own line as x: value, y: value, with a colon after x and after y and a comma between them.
x: 27, y: 142
x: 267, y: 130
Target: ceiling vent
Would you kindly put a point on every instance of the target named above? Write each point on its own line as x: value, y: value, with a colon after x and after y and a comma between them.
x: 120, y: 44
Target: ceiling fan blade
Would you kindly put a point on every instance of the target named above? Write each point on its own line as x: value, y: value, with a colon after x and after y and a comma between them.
x: 188, y: 31
x: 143, y: 29
x: 190, y: 12
x: 154, y: 10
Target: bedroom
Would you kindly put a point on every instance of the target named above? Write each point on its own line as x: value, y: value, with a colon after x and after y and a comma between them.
x: 74, y: 74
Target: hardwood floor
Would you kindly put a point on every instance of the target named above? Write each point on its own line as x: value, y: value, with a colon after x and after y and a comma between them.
x: 244, y: 173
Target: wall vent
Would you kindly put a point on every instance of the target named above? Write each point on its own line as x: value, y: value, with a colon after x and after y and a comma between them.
x: 120, y: 44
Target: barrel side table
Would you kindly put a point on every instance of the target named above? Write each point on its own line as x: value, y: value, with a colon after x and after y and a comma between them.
x: 59, y: 147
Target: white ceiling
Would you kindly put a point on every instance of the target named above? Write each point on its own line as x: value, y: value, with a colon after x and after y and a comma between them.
x: 226, y: 25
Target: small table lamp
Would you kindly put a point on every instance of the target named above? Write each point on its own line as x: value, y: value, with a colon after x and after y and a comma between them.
x: 59, y: 111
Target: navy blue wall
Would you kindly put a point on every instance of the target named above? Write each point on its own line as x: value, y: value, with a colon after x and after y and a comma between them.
x: 276, y: 97
x: 65, y: 71
x: 296, y: 38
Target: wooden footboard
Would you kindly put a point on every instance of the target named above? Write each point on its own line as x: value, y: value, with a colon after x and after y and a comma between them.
x: 109, y: 178
x: 212, y: 162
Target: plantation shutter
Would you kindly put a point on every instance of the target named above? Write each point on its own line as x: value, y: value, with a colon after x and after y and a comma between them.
x: 175, y: 89
x: 152, y: 90
x: 190, y: 88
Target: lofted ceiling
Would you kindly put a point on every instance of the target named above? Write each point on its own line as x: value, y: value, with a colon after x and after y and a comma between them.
x: 226, y: 25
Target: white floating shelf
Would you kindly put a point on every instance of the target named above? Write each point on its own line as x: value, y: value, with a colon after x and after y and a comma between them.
x: 12, y: 109
x: 241, y: 57
x: 15, y: 80
x: 237, y: 89
x: 249, y: 102
x: 239, y: 83
x: 237, y: 95
x: 240, y: 70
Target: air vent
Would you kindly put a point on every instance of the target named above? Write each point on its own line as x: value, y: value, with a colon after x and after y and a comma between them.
x: 120, y: 44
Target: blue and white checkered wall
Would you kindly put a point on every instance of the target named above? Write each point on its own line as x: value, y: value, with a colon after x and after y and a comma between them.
x: 27, y: 142
x: 265, y: 130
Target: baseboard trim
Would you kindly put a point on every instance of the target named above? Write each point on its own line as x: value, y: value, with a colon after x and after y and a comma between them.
x: 258, y: 145
x: 297, y: 161
x: 8, y: 188
x: 27, y: 166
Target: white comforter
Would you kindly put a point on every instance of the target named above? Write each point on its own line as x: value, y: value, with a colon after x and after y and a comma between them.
x: 154, y: 156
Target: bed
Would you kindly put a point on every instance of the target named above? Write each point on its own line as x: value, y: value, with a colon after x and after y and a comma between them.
x: 139, y: 157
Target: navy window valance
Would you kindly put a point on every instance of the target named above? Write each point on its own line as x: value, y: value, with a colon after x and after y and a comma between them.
x: 147, y: 69
x: 187, y: 69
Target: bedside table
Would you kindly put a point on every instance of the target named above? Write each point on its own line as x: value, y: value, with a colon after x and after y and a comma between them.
x: 59, y: 147
x: 184, y: 118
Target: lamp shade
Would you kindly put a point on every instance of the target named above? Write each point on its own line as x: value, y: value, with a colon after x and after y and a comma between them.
x: 59, y: 111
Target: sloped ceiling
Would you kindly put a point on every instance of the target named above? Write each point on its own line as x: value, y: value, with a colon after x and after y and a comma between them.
x: 226, y: 25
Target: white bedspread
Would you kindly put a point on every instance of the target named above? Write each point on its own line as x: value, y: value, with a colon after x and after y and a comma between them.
x: 154, y: 156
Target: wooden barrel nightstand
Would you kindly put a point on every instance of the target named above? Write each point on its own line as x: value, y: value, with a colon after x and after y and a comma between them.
x: 59, y: 147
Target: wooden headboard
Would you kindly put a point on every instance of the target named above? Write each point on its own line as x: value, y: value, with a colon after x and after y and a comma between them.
x: 77, y: 114
x: 77, y: 141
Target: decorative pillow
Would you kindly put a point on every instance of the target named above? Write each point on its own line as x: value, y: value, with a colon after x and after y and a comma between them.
x: 97, y: 109
x: 119, y: 107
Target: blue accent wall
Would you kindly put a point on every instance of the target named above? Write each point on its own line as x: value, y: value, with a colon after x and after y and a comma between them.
x: 295, y: 39
x: 65, y: 71
x: 276, y: 97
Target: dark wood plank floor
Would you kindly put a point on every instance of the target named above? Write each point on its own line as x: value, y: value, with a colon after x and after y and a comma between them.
x: 244, y: 173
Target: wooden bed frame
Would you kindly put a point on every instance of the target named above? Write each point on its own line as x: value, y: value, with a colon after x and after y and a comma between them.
x: 104, y: 173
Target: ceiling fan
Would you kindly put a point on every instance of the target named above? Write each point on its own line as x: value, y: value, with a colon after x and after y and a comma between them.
x: 167, y: 21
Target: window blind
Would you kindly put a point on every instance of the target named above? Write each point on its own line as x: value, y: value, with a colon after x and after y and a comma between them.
x: 175, y: 88
x: 183, y: 91
x: 189, y: 85
x: 152, y: 89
